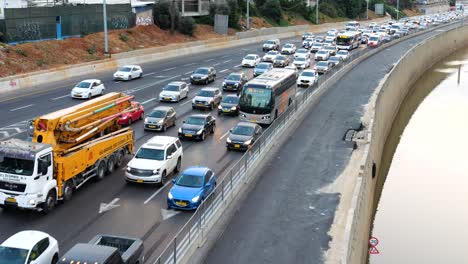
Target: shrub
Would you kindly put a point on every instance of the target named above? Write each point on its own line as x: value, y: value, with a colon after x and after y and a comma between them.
x: 21, y: 52
x: 272, y: 9
x: 40, y: 62
x: 205, y: 20
x: 187, y: 25
x: 162, y: 14
x: 123, y: 37
x: 91, y: 50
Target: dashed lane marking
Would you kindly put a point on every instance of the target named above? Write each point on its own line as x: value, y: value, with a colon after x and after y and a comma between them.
x: 22, y: 107
x: 169, y: 69
x: 60, y: 97
x: 225, y: 70
x: 147, y: 101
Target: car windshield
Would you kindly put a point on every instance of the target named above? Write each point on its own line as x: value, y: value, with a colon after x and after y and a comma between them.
x: 83, y: 85
x: 150, y: 154
x: 300, y: 59
x: 373, y: 38
x: 233, y: 77
x: 322, y: 52
x: 170, y: 87
x: 243, y: 130
x: 201, y: 71
x: 317, y: 45
x: 205, y: 93
x: 335, y: 59
x: 280, y: 57
x: 342, y: 52
x: 272, y: 53
x: 231, y: 99
x: 9, y: 255
x: 16, y: 166
x: 322, y: 63
x: 288, y: 46
x: 187, y: 180
x: 270, y: 42
x: 195, y: 120
x: 308, y: 74
x: 301, y: 51
x: 125, y: 69
x: 249, y: 58
x: 157, y: 114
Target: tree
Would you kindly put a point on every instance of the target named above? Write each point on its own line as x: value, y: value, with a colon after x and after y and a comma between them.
x: 272, y: 10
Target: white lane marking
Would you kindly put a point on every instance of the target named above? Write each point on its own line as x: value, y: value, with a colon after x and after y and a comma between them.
x: 160, y: 76
x: 193, y: 63
x: 60, y: 97
x: 147, y: 101
x: 216, y: 64
x: 240, y: 65
x: 148, y: 74
x: 188, y: 72
x: 227, y: 61
x: 118, y: 81
x: 225, y: 56
x: 166, y: 214
x: 168, y: 69
x: 225, y: 134
x: 185, y: 79
x: 225, y: 70
x: 188, y: 101
x: 156, y: 193
x: 22, y: 107
x: 106, y: 207
x: 209, y: 60
x: 5, y: 134
x: 173, y: 77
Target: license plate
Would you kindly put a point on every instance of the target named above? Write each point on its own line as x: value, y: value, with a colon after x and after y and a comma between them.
x: 77, y: 95
x: 168, y: 99
x: 229, y: 86
x: 253, y: 120
x: 200, y: 104
x: 140, y: 181
x: 237, y: 145
x: 181, y: 203
x: 10, y: 200
x: 226, y: 110
x: 188, y: 135
x: 152, y: 126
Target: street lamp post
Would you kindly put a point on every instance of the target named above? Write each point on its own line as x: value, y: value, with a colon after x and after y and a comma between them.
x: 398, y: 10
x: 317, y: 12
x: 367, y: 9
x: 248, y: 14
x: 104, y: 14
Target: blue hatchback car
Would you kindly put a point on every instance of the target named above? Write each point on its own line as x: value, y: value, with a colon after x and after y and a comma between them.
x: 191, y: 188
x: 262, y: 68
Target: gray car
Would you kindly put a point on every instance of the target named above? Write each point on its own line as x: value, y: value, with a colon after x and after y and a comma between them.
x: 207, y: 98
x: 243, y: 136
x: 229, y: 105
x: 160, y: 118
x: 281, y: 61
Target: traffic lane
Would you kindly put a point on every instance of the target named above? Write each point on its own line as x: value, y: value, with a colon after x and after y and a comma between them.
x: 288, y: 201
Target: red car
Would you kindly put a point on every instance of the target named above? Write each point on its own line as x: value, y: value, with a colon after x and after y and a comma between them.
x: 129, y: 118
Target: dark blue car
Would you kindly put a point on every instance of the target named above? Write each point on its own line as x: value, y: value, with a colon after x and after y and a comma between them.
x: 191, y: 188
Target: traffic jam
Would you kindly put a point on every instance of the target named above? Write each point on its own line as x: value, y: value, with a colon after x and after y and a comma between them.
x: 94, y: 138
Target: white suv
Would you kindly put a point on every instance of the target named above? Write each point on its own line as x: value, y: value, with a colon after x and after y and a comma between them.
x: 34, y: 247
x: 155, y: 160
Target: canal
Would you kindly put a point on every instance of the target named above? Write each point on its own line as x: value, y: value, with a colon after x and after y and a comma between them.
x: 422, y: 211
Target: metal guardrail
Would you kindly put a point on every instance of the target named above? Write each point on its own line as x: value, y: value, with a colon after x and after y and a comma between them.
x: 196, y: 228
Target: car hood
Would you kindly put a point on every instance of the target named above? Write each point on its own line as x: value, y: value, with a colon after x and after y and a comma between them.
x: 239, y: 138
x: 299, y: 62
x: 306, y: 78
x: 169, y: 93
x: 247, y: 61
x: 280, y: 60
x: 199, y: 75
x: 121, y: 73
x: 185, y: 193
x: 321, y: 67
x: 191, y: 127
x: 269, y: 56
x: 231, y: 82
x: 202, y: 98
x: 153, y: 119
x: 80, y: 90
x: 227, y: 105
x: 260, y: 70
x: 145, y: 164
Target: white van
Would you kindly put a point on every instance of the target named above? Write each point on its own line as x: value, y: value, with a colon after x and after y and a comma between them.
x: 353, y: 25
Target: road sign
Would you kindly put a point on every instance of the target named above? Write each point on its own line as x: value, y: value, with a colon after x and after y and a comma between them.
x: 373, y: 251
x: 373, y: 242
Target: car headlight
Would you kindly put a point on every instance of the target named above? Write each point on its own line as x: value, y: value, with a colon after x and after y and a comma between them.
x: 156, y: 171
x: 169, y: 195
x: 32, y: 202
x: 161, y: 121
x: 200, y: 131
x: 129, y: 169
x: 224, y: 83
x: 228, y: 140
x: 191, y: 76
x: 196, y: 198
x: 193, y: 101
x: 146, y: 120
x: 180, y: 130
x: 233, y: 108
x: 204, y: 77
x: 248, y: 142
x: 220, y: 107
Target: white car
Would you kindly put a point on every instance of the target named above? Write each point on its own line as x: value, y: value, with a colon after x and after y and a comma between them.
x: 344, y: 54
x: 307, y: 78
x: 270, y: 56
x: 288, y: 49
x: 329, y: 42
x: 174, y: 92
x: 128, y: 72
x: 301, y: 63
x: 322, y: 55
x: 251, y: 60
x: 307, y: 43
x: 155, y: 161
x: 304, y: 53
x: 29, y: 247
x: 87, y: 89
x: 292, y: 68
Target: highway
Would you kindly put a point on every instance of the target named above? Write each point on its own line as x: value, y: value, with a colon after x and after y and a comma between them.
x: 286, y: 217
x: 141, y: 209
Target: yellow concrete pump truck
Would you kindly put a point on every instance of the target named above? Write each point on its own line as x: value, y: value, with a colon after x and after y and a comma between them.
x: 68, y: 148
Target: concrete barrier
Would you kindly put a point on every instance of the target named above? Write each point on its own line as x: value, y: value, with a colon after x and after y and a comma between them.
x: 380, y: 114
x: 155, y: 54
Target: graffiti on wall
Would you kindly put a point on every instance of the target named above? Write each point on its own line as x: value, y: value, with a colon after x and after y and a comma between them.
x: 26, y: 31
x: 144, y: 18
x: 119, y: 22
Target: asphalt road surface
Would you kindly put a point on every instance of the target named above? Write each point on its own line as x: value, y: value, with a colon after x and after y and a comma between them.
x: 285, y: 218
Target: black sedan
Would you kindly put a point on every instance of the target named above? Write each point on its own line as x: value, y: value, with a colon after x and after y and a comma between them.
x: 197, y: 127
x: 243, y: 135
x: 235, y: 82
x: 203, y: 75
x: 229, y: 105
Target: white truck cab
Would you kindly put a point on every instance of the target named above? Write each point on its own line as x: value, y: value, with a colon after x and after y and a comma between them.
x: 155, y: 160
x: 26, y: 174
x: 30, y: 247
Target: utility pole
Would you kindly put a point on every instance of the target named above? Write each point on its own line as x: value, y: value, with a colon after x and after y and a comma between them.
x: 316, y: 12
x: 104, y: 14
x: 248, y: 14
x: 398, y: 10
x: 172, y: 17
x: 367, y: 9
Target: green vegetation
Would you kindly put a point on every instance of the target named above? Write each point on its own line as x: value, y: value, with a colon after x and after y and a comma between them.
x: 91, y: 50
x: 21, y: 52
x: 40, y: 62
x: 187, y: 25
x: 389, y: 6
x: 123, y: 37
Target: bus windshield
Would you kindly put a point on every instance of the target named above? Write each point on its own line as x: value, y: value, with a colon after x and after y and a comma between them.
x: 343, y: 40
x: 256, y: 100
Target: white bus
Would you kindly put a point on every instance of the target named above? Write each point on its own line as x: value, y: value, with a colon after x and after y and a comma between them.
x: 348, y: 40
x: 264, y: 98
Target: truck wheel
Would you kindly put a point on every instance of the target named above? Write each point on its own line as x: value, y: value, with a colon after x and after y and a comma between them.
x: 163, y: 178
x: 119, y: 159
x: 177, y: 167
x: 111, y: 164
x: 67, y: 192
x: 49, y: 203
x: 101, y: 170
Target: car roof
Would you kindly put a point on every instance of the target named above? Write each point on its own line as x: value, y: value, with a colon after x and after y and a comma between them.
x: 196, y: 170
x: 25, y: 239
x: 209, y: 89
x: 248, y: 124
x: 131, y: 65
x: 204, y: 68
x: 87, y: 253
x: 200, y: 115
x: 90, y: 80
x: 308, y: 71
x: 230, y: 95
x: 251, y: 55
x: 161, y: 107
x: 177, y: 83
x: 159, y: 142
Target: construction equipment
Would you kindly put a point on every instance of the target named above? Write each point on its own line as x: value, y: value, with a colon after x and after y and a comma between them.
x: 68, y: 148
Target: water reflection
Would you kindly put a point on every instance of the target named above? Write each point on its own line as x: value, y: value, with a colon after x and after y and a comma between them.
x: 422, y: 213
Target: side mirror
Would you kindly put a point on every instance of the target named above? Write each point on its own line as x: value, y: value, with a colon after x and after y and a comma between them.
x: 174, y: 181
x: 183, y: 121
x: 207, y: 185
x: 230, y: 130
x: 169, y: 157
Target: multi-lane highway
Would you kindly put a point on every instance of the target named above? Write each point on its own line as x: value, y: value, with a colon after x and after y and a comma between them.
x: 138, y: 211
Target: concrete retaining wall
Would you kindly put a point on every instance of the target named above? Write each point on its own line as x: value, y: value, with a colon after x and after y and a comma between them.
x: 158, y: 54
x: 381, y: 112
